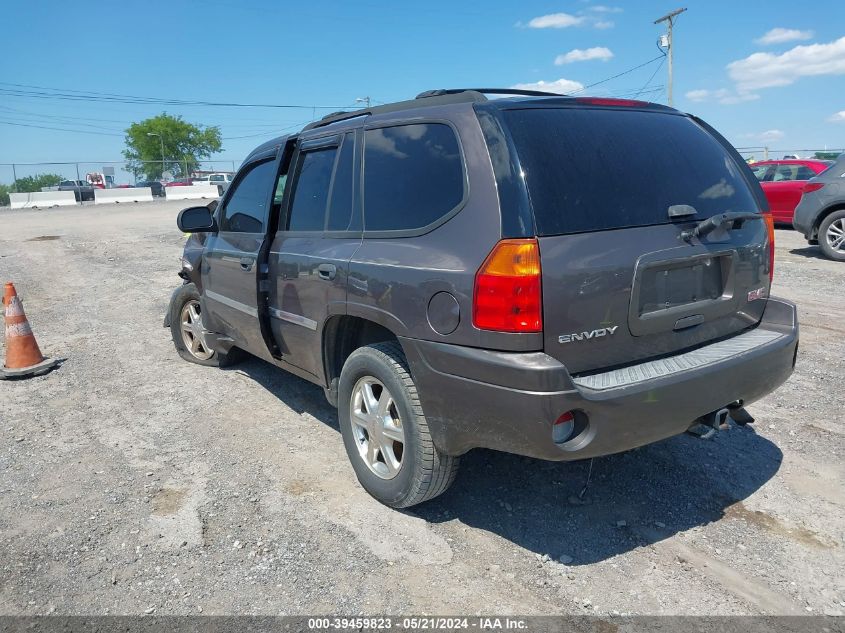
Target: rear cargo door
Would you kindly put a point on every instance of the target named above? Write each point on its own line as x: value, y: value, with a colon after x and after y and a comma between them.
x: 612, y: 188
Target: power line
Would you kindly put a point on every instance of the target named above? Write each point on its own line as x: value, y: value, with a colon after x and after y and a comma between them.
x: 653, y: 75
x: 624, y: 72
x: 59, y: 129
x: 42, y: 92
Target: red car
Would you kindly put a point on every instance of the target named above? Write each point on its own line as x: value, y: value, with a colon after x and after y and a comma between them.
x: 783, y: 182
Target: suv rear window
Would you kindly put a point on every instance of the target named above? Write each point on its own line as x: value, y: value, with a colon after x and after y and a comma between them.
x: 597, y: 169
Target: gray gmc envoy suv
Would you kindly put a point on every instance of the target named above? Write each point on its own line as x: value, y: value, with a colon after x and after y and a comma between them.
x: 556, y: 277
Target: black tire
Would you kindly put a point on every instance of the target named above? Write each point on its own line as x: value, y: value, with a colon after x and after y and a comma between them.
x: 827, y: 248
x: 188, y: 293
x: 424, y: 472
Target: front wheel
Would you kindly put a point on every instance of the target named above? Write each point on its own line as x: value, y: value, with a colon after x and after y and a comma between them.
x: 832, y: 236
x: 385, y: 432
x: 188, y: 332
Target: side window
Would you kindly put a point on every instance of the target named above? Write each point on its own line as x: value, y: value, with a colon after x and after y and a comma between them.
x: 246, y: 207
x: 805, y: 173
x: 785, y: 172
x: 760, y: 171
x: 311, y: 189
x: 413, y: 176
x: 341, y: 214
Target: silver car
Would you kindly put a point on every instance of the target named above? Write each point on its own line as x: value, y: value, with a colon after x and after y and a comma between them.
x: 820, y: 215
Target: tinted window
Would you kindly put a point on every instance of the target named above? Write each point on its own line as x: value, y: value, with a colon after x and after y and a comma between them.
x: 311, y: 190
x: 594, y: 169
x: 341, y: 209
x: 246, y: 208
x: 412, y: 176
x: 805, y: 173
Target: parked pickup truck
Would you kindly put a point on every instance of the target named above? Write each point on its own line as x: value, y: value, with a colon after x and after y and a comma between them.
x: 221, y: 181
x: 81, y: 189
x: 458, y: 272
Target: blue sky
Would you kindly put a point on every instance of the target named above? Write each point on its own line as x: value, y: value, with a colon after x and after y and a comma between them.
x: 763, y: 73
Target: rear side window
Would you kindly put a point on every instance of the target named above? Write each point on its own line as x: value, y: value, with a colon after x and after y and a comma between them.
x: 596, y: 169
x: 311, y: 190
x: 342, y: 215
x: 413, y: 176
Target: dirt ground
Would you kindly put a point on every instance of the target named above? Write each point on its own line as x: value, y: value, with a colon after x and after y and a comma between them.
x: 133, y: 482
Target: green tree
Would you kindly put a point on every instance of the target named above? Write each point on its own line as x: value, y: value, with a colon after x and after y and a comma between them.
x: 4, y: 195
x: 183, y: 145
x: 36, y: 182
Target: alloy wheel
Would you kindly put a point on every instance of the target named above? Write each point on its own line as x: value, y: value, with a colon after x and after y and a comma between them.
x: 193, y: 334
x: 835, y: 235
x: 377, y: 427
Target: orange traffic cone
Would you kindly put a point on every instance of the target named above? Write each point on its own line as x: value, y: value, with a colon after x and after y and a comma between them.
x: 23, y: 357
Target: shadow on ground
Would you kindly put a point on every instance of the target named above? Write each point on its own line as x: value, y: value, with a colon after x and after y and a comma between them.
x: 810, y: 252
x: 657, y: 490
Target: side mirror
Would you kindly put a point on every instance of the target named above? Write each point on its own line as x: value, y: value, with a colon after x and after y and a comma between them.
x: 196, y: 220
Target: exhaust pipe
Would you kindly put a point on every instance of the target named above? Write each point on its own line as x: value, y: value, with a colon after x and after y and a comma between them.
x: 706, y: 426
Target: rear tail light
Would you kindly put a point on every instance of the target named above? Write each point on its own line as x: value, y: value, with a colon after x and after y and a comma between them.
x: 812, y: 186
x: 508, y: 295
x: 770, y: 230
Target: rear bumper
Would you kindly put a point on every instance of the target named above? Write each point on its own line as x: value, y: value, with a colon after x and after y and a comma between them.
x: 509, y: 401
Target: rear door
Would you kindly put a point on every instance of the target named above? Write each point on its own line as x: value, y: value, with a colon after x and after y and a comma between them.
x: 607, y: 186
x: 319, y: 231
x: 230, y: 273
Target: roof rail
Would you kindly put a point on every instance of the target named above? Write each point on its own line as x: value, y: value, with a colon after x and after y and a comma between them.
x: 488, y: 91
x: 446, y: 97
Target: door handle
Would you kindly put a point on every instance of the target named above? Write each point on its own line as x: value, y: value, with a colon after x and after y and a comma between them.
x: 327, y: 271
x: 247, y: 263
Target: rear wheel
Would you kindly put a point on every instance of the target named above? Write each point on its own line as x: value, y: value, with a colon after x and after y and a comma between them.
x: 832, y: 236
x: 188, y: 332
x: 385, y: 432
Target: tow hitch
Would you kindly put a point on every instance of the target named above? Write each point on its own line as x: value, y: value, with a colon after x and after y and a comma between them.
x: 707, y: 425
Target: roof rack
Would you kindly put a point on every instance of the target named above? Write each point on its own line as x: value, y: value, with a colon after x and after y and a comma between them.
x: 488, y: 91
x: 432, y: 97
x: 445, y: 97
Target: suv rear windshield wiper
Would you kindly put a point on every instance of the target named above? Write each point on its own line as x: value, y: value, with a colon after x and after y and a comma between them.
x: 730, y: 220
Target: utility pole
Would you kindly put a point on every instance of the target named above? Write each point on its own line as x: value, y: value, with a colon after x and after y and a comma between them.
x: 669, y: 18
x: 363, y: 100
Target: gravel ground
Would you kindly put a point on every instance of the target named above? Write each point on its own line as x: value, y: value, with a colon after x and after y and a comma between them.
x: 133, y: 482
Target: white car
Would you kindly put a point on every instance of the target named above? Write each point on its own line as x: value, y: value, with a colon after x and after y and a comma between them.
x: 222, y: 180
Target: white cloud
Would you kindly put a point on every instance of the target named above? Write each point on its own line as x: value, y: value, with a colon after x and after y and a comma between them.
x: 767, y: 70
x: 583, y: 55
x: 600, y: 8
x: 561, y: 86
x: 556, y: 21
x: 722, y: 95
x: 698, y: 95
x: 764, y: 137
x: 771, y: 135
x: 781, y: 35
x: 604, y: 24
x: 839, y: 117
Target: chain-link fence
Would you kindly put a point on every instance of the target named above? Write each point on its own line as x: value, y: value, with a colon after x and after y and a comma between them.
x: 16, y: 176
